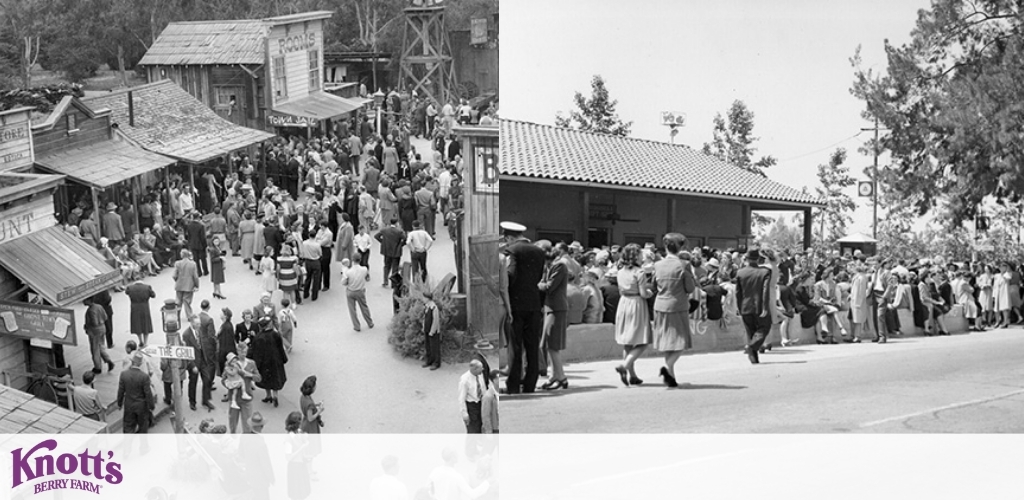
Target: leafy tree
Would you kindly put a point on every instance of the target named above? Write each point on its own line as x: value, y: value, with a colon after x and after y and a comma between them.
x: 783, y: 236
x: 952, y: 100
x: 734, y: 139
x: 835, y: 217
x: 596, y: 114
x: 23, y: 22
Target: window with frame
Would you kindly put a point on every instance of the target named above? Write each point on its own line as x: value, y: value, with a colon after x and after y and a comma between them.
x: 280, y: 80
x: 314, y: 70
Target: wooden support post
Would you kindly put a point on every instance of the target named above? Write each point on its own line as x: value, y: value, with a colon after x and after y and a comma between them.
x: 807, y: 228
x: 585, y: 235
x: 670, y: 221
x: 96, y: 208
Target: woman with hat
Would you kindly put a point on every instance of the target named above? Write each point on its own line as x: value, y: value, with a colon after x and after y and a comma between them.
x: 632, y: 319
x: 267, y: 350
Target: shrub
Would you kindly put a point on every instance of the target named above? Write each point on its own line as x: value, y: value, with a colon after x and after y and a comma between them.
x: 405, y: 333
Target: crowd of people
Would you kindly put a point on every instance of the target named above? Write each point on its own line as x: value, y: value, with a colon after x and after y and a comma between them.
x: 655, y: 295
x: 288, y: 217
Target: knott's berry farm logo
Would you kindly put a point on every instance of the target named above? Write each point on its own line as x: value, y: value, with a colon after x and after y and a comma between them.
x: 41, y: 463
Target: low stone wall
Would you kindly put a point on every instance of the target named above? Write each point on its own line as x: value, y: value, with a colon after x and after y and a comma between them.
x: 596, y: 342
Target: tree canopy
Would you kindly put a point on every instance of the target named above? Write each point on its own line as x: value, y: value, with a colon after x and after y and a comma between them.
x: 952, y: 101
x: 734, y: 140
x: 595, y: 114
x: 835, y: 218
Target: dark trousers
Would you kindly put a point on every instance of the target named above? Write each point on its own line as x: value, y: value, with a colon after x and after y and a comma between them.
x: 757, y: 330
x: 364, y: 259
x: 206, y: 373
x: 193, y: 380
x: 476, y: 421
x: 313, y: 279
x: 426, y: 217
x: 433, y: 349
x: 325, y: 266
x: 391, y: 266
x: 169, y: 391
x: 108, y: 329
x: 419, y: 264
x: 136, y: 421
x: 199, y: 255
x: 526, y: 331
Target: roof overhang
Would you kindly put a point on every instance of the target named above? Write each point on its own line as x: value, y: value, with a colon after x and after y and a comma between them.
x: 756, y: 203
x: 309, y: 110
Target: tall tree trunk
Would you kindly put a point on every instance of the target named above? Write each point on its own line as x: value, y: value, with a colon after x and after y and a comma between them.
x: 120, y: 65
x: 26, y: 77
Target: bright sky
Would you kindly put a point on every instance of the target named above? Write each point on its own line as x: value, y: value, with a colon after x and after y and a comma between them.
x: 788, y: 60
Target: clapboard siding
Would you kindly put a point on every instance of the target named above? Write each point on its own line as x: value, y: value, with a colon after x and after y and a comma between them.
x: 296, y: 63
x: 12, y: 349
x: 90, y: 130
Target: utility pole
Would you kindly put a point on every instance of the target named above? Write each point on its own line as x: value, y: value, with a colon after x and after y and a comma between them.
x: 874, y: 181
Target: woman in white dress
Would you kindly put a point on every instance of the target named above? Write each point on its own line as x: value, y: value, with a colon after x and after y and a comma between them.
x: 985, y: 282
x: 1001, y: 295
x: 632, y: 318
x: 268, y: 271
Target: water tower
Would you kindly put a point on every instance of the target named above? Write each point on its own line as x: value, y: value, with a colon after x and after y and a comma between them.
x: 426, y: 62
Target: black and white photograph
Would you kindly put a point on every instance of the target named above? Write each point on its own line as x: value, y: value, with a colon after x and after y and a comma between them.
x: 761, y: 217
x: 214, y: 210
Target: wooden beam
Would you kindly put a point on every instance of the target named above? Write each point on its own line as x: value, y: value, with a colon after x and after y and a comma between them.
x: 585, y: 233
x: 807, y: 228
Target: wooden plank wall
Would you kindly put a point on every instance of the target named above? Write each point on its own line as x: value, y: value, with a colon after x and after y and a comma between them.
x: 12, y: 349
x: 90, y: 131
x: 26, y: 216
x: 15, y: 141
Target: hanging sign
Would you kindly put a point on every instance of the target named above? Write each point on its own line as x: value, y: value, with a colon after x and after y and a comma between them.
x: 38, y: 323
x: 292, y: 121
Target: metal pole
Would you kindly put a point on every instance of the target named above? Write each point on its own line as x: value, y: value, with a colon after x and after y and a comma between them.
x: 874, y: 186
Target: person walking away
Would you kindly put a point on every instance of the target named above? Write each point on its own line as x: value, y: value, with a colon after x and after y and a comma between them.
x: 632, y: 317
x: 325, y: 238
x: 674, y: 282
x: 95, y: 326
x: 287, y: 273
x: 419, y: 241
x: 425, y: 203
x: 471, y: 393
x: 525, y: 270
x: 135, y: 397
x: 195, y: 234
x: 247, y: 238
x: 354, y: 278
x: 141, y: 321
x: 392, y: 239
x: 367, y: 208
x: 431, y: 332
x: 752, y: 298
x: 186, y: 281
x: 554, y: 285
x: 343, y: 245
x: 267, y: 351
x: 287, y: 322
x: 310, y: 253
x: 104, y: 299
x: 388, y: 201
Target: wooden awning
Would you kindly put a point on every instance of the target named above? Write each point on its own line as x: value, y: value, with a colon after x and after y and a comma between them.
x: 103, y: 164
x: 22, y: 413
x: 58, y: 266
x: 309, y: 110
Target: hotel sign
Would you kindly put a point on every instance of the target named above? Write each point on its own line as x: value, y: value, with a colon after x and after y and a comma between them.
x: 296, y: 43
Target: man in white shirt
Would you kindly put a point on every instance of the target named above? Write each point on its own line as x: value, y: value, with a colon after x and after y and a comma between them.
x: 187, y: 199
x: 447, y: 484
x: 419, y: 241
x: 388, y: 486
x: 363, y: 241
x: 471, y: 389
x: 444, y: 183
x: 354, y: 278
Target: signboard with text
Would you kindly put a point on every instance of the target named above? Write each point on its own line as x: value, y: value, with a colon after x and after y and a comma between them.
x: 182, y: 352
x: 15, y: 139
x: 38, y: 323
x: 292, y: 121
x: 486, y: 166
x: 102, y: 281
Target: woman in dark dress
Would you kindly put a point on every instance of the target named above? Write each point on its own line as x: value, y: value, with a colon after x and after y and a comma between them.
x: 217, y: 269
x: 225, y: 340
x: 406, y: 205
x: 246, y: 330
x: 351, y: 205
x: 809, y: 311
x: 268, y: 353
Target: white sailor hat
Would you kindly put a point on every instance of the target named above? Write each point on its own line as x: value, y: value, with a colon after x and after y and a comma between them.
x: 514, y: 227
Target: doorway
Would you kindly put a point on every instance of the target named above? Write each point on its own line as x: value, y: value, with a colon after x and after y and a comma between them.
x: 598, y: 237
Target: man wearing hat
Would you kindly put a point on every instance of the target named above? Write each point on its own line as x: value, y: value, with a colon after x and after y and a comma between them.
x: 525, y: 270
x: 195, y: 235
x: 135, y: 396
x: 113, y: 228
x: 753, y: 300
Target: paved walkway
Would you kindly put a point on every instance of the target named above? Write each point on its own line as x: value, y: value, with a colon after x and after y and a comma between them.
x: 366, y: 387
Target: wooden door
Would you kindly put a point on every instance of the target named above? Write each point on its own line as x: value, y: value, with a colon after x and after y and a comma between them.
x: 484, y: 308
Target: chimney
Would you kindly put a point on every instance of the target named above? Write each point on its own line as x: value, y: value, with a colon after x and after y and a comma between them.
x: 131, y: 109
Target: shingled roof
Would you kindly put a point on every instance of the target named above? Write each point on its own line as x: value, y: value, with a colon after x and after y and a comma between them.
x: 209, y: 42
x: 561, y: 154
x: 171, y: 122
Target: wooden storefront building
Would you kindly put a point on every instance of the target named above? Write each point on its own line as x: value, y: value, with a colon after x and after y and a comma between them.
x: 265, y: 74
x: 567, y: 185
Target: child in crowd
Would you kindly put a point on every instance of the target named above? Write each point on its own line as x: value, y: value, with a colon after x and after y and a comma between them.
x: 233, y: 380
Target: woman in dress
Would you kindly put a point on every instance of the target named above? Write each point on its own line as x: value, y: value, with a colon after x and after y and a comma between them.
x: 826, y: 296
x: 225, y: 340
x: 390, y: 159
x: 268, y: 352
x: 311, y: 412
x: 674, y: 282
x: 985, y: 282
x: 860, y: 303
x: 632, y: 320
x: 406, y: 205
x: 1002, y: 303
x: 247, y: 238
x: 259, y: 242
x: 298, y: 468
x: 217, y: 269
x: 268, y: 270
x: 287, y: 273
x: 246, y: 330
x: 345, y: 242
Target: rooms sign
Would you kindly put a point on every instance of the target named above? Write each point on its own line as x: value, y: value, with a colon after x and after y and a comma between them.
x: 296, y: 43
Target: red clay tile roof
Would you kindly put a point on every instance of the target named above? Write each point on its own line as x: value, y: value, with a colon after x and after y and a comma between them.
x: 171, y: 122
x: 547, y: 152
x: 209, y: 42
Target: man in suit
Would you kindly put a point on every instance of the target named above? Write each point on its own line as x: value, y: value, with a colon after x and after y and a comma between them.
x: 207, y: 359
x: 556, y: 305
x: 391, y: 239
x: 135, y: 396
x: 525, y: 270
x: 273, y: 236
x: 752, y: 298
x: 673, y: 283
x: 167, y: 241
x: 191, y: 338
x: 113, y: 227
x: 186, y: 281
x: 425, y: 202
x: 195, y: 233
